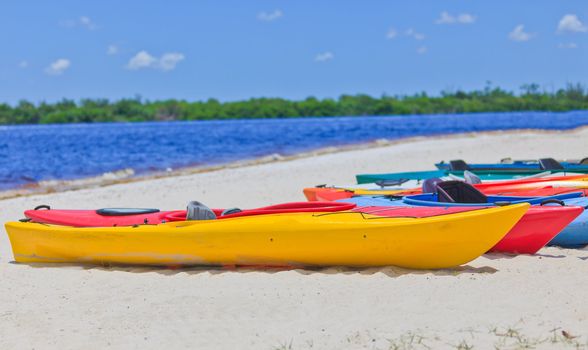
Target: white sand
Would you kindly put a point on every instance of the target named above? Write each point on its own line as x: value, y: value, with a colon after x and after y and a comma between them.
x: 494, y: 301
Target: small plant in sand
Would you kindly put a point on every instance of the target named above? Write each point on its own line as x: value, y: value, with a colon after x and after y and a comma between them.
x: 285, y: 346
x: 512, y: 338
x: 463, y: 345
x: 408, y: 341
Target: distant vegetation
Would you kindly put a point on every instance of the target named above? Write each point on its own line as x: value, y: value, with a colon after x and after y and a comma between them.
x: 490, y: 99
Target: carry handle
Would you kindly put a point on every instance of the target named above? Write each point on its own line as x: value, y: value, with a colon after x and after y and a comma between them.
x: 42, y: 206
x: 554, y: 201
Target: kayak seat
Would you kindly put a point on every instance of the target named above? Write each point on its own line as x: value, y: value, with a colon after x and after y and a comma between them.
x: 584, y: 161
x: 430, y: 185
x: 230, y: 211
x: 459, y: 192
x: 458, y: 165
x: 125, y: 211
x: 471, y: 178
x: 199, y: 211
x: 394, y: 182
x: 550, y: 164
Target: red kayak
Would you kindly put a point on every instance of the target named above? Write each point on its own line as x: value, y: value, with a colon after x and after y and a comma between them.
x: 132, y: 216
x: 140, y: 216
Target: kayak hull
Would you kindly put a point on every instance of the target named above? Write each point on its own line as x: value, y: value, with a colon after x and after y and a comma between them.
x: 538, y: 227
x: 297, y: 239
x: 575, y: 234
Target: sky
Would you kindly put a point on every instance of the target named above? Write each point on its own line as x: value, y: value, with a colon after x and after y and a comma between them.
x: 233, y: 50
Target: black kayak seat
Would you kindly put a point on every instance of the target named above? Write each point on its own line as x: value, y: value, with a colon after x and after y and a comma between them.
x: 430, y: 185
x: 584, y: 161
x: 550, y: 164
x: 394, y: 182
x: 458, y: 165
x: 459, y: 192
x: 230, y: 211
x: 125, y: 211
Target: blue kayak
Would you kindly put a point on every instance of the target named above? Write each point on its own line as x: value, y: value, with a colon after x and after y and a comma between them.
x: 575, y: 235
x: 432, y: 200
x: 544, y: 164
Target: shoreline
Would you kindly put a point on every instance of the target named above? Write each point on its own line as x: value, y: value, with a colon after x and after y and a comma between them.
x: 127, y: 175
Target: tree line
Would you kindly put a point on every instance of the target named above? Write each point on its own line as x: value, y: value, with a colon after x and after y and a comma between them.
x: 489, y: 99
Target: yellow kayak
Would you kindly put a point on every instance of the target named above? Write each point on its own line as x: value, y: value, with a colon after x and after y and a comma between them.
x: 299, y: 239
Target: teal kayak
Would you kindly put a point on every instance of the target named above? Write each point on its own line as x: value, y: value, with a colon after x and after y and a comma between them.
x: 484, y: 175
x: 542, y: 164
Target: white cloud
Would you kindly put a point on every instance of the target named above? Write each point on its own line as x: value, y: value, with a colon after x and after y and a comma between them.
x: 70, y: 23
x: 141, y: 60
x: 83, y: 21
x: 568, y: 46
x: 166, y: 62
x: 23, y: 64
x: 87, y: 22
x: 391, y: 34
x: 466, y: 18
x: 571, y: 23
x: 169, y: 60
x: 445, y: 18
x: 58, y: 67
x: 112, y: 50
x: 412, y: 33
x: 422, y: 50
x: 324, y: 56
x: 519, y: 34
x: 269, y: 16
x: 462, y: 18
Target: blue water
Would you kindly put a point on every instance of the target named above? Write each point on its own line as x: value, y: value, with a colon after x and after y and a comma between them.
x: 31, y: 153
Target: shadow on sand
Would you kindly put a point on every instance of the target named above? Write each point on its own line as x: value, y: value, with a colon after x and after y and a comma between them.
x: 497, y: 256
x: 390, y: 271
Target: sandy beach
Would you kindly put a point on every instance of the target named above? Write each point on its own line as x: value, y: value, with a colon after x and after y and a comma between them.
x: 496, y: 301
